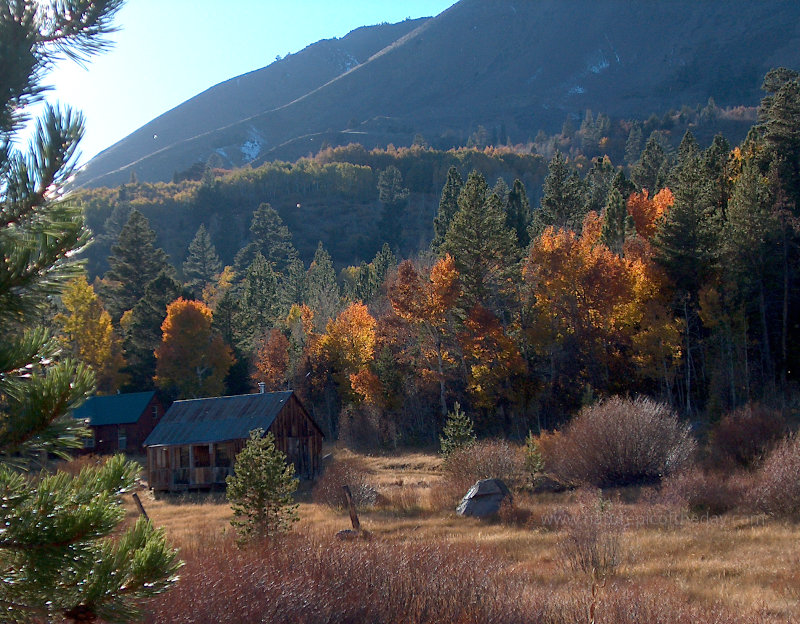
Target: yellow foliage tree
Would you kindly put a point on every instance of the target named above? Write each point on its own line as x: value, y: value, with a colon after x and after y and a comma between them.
x: 87, y: 331
x: 349, y: 344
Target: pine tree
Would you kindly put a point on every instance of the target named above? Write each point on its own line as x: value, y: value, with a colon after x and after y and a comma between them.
x: 448, y: 206
x: 271, y: 238
x: 135, y: 262
x: 779, y: 119
x: 202, y: 264
x: 458, y: 432
x: 518, y: 213
x: 58, y: 558
x: 261, y: 489
x: 599, y: 181
x: 322, y: 294
x: 633, y: 145
x: 259, y: 306
x: 393, y: 195
x: 617, y: 223
x: 483, y: 248
x: 141, y: 327
x: 562, y: 204
x: 645, y: 173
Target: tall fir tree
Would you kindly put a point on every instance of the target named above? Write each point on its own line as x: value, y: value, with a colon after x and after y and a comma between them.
x: 562, y: 203
x: 135, y: 262
x: 617, y: 223
x: 518, y: 213
x: 598, y: 184
x: 57, y: 553
x: 202, y: 265
x: 141, y: 328
x: 394, y: 197
x: 448, y: 206
x: 649, y: 170
x: 322, y: 293
x: 483, y: 248
x: 269, y: 237
x: 259, y: 305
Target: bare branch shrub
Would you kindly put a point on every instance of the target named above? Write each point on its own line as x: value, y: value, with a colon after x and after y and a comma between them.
x: 711, y: 492
x: 619, y: 442
x: 348, y: 470
x: 745, y: 436
x: 487, y: 459
x: 592, y: 541
x: 777, y: 486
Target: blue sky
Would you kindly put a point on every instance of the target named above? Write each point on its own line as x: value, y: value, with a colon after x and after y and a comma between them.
x: 167, y: 51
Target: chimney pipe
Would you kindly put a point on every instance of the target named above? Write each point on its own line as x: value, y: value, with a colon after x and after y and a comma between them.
x: 262, y: 387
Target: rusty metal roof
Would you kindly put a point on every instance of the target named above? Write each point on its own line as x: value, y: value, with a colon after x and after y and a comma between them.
x: 201, y: 421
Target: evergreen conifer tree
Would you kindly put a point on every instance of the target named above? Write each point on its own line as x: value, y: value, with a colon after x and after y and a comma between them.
x: 645, y: 173
x: 202, y: 264
x: 322, y: 294
x: 448, y: 206
x: 141, y: 328
x: 58, y: 558
x: 261, y: 489
x: 259, y: 306
x: 617, y: 223
x: 134, y: 263
x: 458, y: 432
x: 393, y: 195
x: 562, y: 204
x: 483, y: 248
x: 518, y: 213
x: 271, y: 238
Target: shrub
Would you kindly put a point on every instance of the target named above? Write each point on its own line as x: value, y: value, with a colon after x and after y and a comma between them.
x: 777, y: 483
x: 533, y: 462
x: 745, y: 436
x: 591, y: 543
x: 488, y: 459
x: 705, y: 491
x: 261, y: 489
x: 347, y: 470
x: 619, y: 442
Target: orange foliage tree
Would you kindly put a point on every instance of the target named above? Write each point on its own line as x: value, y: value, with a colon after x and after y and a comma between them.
x: 427, y: 304
x: 272, y: 360
x: 192, y: 360
x: 493, y: 358
x: 597, y: 315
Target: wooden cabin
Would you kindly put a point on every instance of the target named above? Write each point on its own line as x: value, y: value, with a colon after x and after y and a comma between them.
x: 119, y: 422
x: 196, y: 442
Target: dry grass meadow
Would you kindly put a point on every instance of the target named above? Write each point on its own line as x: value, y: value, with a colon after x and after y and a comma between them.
x: 423, y: 563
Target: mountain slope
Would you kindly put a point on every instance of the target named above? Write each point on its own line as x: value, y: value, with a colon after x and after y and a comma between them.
x: 512, y: 66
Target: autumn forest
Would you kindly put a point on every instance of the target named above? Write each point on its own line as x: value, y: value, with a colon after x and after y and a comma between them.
x: 536, y: 286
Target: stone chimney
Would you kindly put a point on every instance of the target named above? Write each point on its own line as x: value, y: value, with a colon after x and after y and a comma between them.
x: 262, y: 387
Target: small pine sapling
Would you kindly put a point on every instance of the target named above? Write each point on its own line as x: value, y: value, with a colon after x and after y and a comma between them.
x: 261, y: 489
x: 458, y: 432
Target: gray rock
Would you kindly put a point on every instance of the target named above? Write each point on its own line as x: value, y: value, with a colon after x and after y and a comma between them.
x: 483, y: 499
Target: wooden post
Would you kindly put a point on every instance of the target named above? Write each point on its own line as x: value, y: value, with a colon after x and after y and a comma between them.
x: 351, y: 506
x: 140, y: 506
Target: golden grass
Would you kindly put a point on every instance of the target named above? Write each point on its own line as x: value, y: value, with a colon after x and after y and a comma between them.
x: 745, y: 563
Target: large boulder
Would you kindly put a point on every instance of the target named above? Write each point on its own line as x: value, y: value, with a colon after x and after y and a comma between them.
x: 484, y: 498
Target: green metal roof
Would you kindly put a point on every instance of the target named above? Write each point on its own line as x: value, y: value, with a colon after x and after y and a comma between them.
x: 114, y: 409
x: 201, y: 421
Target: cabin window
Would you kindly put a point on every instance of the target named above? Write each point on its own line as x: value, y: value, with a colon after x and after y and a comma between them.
x: 202, y: 457
x: 122, y: 439
x: 183, y: 457
x: 222, y: 456
x: 155, y: 411
x: 89, y: 442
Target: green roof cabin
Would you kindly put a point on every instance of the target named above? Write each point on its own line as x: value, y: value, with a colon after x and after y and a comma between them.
x: 119, y: 422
